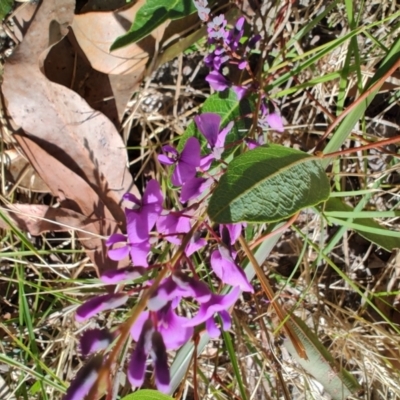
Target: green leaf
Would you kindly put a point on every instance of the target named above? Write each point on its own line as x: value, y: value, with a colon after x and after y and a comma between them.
x: 147, y: 394
x: 366, y: 227
x: 150, y: 16
x: 268, y: 184
x: 338, y: 382
x: 229, y: 108
x: 5, y: 7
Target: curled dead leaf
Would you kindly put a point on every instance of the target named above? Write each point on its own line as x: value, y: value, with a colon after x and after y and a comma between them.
x: 96, y: 31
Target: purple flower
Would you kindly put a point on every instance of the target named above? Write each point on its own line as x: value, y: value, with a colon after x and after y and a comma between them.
x: 194, y: 188
x: 215, y: 59
x: 226, y: 269
x: 137, y: 251
x: 176, y: 222
x: 186, y: 162
x: 216, y: 304
x: 230, y: 232
x: 94, y: 340
x: 270, y: 119
x: 150, y: 342
x: 235, y: 34
x: 141, y: 219
x: 212, y: 328
x: 209, y: 124
x: 202, y: 9
x: 98, y: 304
x: 115, y: 276
x: 217, y: 81
x: 216, y: 28
x: 176, y: 286
x: 253, y: 143
x: 85, y: 379
x: 196, y: 243
x: 160, y: 361
x: 274, y: 120
x: 251, y: 44
x: 169, y: 324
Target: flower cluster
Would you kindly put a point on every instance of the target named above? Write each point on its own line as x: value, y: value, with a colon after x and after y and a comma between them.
x: 229, y: 49
x: 162, y: 326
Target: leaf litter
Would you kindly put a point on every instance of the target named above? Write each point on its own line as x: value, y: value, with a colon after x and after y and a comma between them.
x: 76, y: 150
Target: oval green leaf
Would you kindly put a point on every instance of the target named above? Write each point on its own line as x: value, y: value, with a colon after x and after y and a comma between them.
x: 147, y: 394
x: 268, y: 184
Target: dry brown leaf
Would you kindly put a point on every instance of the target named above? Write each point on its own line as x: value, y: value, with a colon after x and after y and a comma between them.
x: 96, y: 31
x: 75, y: 149
x: 77, y: 195
x: 66, y: 65
x: 62, y: 122
x: 39, y: 218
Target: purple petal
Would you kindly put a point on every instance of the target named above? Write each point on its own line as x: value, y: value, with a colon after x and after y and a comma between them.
x: 242, y: 65
x: 169, y: 149
x: 137, y: 327
x: 222, y: 135
x: 212, y: 328
x: 171, y: 327
x: 239, y: 24
x: 216, y: 304
x: 191, y: 152
x: 137, y: 225
x: 118, y: 254
x: 173, y: 223
x: 141, y: 221
x: 217, y: 81
x: 194, y: 245
x: 253, y: 41
x: 137, y: 364
x: 115, y: 276
x: 98, y: 304
x: 84, y: 380
x: 234, y: 231
x: 274, y: 120
x: 192, y: 287
x: 226, y: 320
x: 240, y: 91
x: 208, y: 124
x: 94, y: 340
x: 132, y: 198
x: 115, y: 238
x: 189, y: 160
x: 139, y: 253
x: 165, y: 159
x: 153, y: 194
x: 206, y: 161
x: 251, y: 143
x: 182, y: 173
x: 166, y: 291
x: 194, y: 188
x: 160, y: 360
x: 227, y: 270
